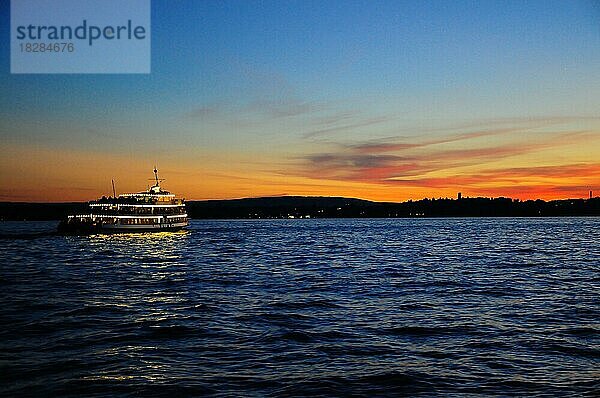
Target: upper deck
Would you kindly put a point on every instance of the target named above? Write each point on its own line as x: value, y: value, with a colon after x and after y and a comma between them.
x: 155, y: 196
x: 140, y: 201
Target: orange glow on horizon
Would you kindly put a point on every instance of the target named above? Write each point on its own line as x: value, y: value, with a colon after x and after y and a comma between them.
x: 81, y: 176
x: 490, y: 163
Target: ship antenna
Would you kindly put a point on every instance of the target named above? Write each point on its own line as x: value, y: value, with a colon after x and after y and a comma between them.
x: 156, y: 179
x: 114, y: 192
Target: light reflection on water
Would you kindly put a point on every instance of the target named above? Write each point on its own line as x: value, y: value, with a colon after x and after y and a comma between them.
x: 304, y: 307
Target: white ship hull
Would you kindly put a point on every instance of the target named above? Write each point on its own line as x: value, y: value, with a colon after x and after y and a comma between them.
x: 142, y: 228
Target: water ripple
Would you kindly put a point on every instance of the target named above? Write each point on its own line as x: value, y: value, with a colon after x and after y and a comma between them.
x: 304, y: 308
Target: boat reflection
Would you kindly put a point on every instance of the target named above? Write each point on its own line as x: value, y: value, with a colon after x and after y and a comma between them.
x: 150, y: 237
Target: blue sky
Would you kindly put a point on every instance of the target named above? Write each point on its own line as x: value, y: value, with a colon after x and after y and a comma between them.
x: 231, y: 77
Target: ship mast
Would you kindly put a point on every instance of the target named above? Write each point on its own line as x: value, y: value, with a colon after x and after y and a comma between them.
x: 156, y: 187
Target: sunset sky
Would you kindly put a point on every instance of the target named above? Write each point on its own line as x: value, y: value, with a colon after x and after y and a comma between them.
x: 369, y: 99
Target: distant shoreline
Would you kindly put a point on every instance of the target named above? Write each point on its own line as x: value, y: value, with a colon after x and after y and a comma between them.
x: 285, y: 207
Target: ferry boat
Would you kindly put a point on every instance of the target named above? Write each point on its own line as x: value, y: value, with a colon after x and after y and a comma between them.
x: 151, y: 210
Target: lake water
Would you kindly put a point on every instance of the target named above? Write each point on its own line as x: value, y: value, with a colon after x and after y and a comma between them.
x: 304, y: 308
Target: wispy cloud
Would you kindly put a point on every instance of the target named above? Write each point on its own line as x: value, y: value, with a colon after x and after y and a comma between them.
x: 347, y: 126
x: 203, y: 112
x: 422, y: 163
x: 356, y: 120
x: 509, y: 175
x: 280, y: 108
x: 401, y: 143
x: 262, y: 110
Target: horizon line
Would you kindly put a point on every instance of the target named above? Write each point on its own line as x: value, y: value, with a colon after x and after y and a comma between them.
x: 339, y: 197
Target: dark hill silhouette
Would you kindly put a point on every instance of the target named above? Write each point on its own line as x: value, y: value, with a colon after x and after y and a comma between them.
x: 335, y: 207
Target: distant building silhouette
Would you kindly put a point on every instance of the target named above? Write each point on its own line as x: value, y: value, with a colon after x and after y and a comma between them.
x: 459, y: 196
x: 590, y: 194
